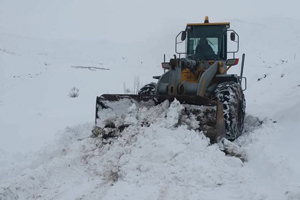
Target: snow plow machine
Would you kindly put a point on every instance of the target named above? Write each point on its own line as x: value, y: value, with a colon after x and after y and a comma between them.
x: 197, y: 77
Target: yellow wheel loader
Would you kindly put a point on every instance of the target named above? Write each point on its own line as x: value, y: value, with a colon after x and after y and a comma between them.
x: 197, y: 77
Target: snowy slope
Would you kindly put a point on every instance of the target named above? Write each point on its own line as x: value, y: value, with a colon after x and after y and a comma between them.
x: 38, y: 75
x: 156, y: 162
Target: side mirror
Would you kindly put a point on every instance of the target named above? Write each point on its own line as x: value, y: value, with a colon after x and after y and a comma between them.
x: 232, y: 36
x: 183, y: 35
x: 233, y: 61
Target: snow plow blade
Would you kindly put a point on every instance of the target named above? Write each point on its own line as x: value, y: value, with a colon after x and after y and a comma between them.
x: 208, y: 113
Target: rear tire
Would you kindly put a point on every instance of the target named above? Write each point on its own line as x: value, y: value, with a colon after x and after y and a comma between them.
x: 148, y: 89
x: 231, y: 95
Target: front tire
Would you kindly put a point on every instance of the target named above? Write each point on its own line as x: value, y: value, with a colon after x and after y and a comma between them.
x: 231, y: 95
x: 148, y: 89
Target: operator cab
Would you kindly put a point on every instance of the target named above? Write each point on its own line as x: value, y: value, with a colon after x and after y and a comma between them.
x: 206, y: 41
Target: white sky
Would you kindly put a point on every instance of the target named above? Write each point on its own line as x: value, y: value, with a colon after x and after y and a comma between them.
x: 140, y: 19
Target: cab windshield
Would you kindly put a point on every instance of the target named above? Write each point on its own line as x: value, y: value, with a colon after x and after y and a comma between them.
x: 207, y: 42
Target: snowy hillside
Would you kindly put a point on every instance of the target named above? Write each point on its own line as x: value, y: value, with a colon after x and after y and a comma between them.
x: 46, y: 151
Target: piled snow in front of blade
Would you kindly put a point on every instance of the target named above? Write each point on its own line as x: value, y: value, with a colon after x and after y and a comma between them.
x: 157, y: 161
x: 173, y: 113
x: 146, y: 162
x: 160, y: 160
x: 114, y: 116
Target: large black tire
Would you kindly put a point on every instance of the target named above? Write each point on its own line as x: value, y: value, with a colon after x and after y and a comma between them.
x: 232, y: 97
x: 148, y: 89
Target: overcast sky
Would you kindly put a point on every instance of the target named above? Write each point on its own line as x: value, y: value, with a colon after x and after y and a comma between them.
x: 140, y: 19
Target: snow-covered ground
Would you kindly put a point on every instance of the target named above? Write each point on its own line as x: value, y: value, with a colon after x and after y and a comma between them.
x: 46, y: 151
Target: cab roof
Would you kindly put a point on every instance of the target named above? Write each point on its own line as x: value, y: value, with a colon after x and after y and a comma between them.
x: 209, y: 24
